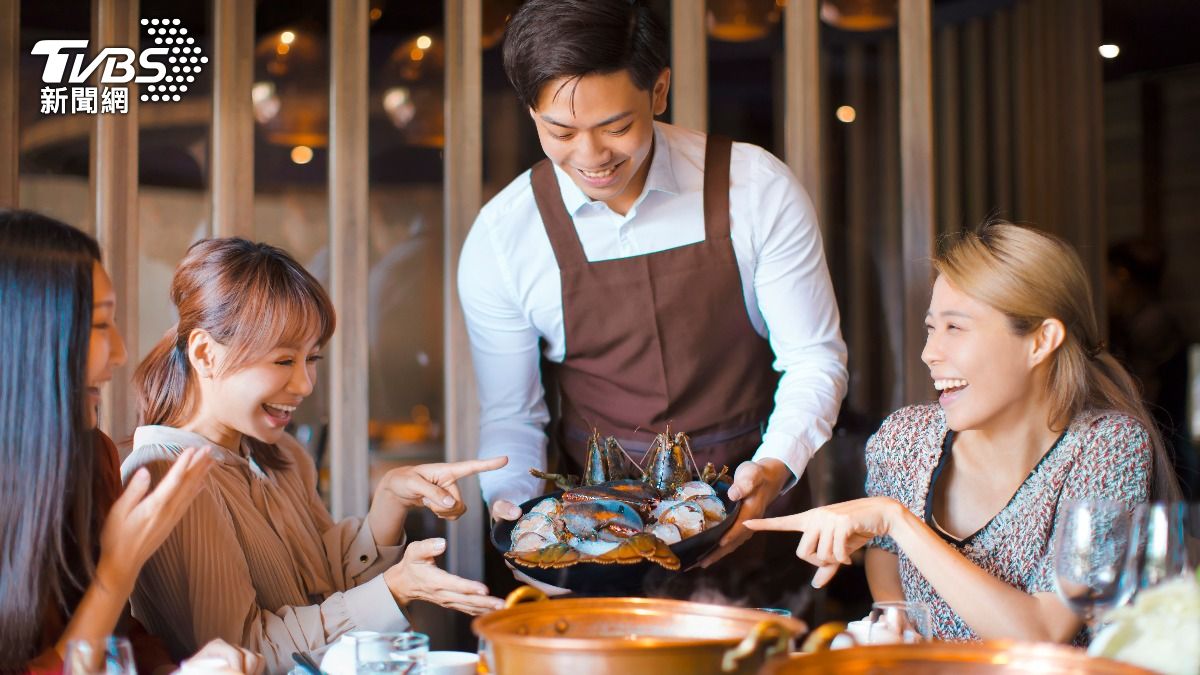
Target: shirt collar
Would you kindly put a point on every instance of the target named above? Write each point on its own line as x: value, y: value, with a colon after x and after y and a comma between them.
x: 661, y: 177
x: 179, y: 439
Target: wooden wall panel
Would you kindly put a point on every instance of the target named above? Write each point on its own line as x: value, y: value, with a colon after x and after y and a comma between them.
x: 1084, y: 142
x: 860, y: 169
x: 949, y: 136
x: 1023, y: 103
x: 802, y: 100
x: 689, y: 64
x: 917, y: 185
x: 232, y: 166
x: 113, y: 177
x: 1000, y: 112
x: 10, y: 76
x: 348, y: 263
x: 975, y: 158
x: 892, y: 291
x: 463, y: 186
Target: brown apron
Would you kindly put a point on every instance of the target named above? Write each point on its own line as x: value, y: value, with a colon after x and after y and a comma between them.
x: 664, y: 338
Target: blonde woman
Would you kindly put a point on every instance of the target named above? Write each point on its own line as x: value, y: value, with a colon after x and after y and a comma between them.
x: 963, y: 494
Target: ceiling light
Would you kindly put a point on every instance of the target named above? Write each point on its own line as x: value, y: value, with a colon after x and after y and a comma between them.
x: 302, y: 154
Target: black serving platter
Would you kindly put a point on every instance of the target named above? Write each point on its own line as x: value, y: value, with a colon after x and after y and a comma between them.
x: 587, y: 578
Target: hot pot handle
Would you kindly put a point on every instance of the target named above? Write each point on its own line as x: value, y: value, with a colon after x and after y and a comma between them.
x: 523, y: 594
x: 764, y: 631
x: 820, y: 639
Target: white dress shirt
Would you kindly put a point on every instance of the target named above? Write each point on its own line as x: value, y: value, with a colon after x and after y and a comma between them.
x: 511, y: 293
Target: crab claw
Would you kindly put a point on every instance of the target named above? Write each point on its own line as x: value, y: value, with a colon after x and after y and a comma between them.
x: 639, y: 547
x: 549, y: 557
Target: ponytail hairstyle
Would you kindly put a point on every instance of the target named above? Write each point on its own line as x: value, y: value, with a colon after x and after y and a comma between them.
x: 1031, y: 276
x: 250, y: 297
x: 48, y: 527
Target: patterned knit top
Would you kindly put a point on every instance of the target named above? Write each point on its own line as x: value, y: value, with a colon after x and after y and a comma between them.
x: 1101, y: 455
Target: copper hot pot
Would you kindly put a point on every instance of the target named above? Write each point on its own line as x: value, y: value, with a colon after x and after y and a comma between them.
x: 628, y: 636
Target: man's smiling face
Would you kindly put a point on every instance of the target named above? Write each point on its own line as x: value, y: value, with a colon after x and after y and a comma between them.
x: 599, y: 129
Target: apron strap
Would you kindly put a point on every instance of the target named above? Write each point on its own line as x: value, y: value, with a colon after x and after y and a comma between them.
x: 568, y: 251
x: 717, y: 152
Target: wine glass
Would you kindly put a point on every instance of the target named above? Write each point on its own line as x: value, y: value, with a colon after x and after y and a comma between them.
x: 1159, y: 549
x: 898, y: 622
x: 1091, y: 556
x: 102, y: 656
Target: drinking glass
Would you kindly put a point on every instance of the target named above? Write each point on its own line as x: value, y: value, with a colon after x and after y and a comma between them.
x: 103, y: 656
x: 487, y: 664
x: 1091, y: 556
x: 401, y: 653
x: 898, y: 622
x: 1159, y: 548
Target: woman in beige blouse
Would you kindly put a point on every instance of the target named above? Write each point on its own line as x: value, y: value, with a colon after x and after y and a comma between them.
x: 257, y: 560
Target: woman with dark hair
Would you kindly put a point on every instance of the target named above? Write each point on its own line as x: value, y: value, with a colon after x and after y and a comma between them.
x: 73, y: 543
x: 965, y: 494
x: 257, y: 560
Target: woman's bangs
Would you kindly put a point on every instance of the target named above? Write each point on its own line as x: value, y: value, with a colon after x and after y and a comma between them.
x: 293, y: 320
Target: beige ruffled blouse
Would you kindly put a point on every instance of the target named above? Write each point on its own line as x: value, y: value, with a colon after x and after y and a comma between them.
x: 257, y: 560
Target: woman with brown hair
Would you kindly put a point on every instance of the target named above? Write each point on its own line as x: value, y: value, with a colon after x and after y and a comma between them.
x: 72, y: 542
x: 964, y: 494
x: 257, y: 560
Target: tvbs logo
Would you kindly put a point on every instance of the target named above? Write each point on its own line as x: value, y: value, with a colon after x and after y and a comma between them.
x: 166, y: 69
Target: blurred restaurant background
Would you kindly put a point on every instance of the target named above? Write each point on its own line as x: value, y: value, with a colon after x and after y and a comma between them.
x: 363, y: 135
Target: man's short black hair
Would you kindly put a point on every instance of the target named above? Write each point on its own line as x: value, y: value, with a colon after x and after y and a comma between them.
x: 550, y: 39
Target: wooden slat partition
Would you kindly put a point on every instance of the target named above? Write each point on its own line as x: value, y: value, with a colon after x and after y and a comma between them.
x: 463, y: 186
x: 1000, y: 79
x: 891, y: 292
x: 802, y: 100
x: 232, y: 166
x: 348, y: 414
x: 859, y: 333
x: 10, y: 76
x: 975, y: 159
x: 689, y: 64
x: 1083, y: 143
x: 1023, y: 105
x: 949, y: 139
x: 1039, y: 138
x: 114, y: 183
x: 917, y: 185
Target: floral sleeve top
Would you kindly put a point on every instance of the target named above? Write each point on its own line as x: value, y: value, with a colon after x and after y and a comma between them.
x: 1100, y: 455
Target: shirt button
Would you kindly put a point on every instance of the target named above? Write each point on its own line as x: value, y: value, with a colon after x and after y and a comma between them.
x: 362, y: 559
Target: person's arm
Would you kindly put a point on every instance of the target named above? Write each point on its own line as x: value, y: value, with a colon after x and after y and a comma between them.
x: 358, y: 549
x: 992, y: 608
x: 883, y: 575
x: 136, y: 524
x: 795, y: 297
x: 507, y: 359
x: 197, y: 587
x: 1113, y: 464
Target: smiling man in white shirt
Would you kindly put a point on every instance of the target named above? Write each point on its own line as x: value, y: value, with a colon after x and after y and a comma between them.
x: 649, y: 273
